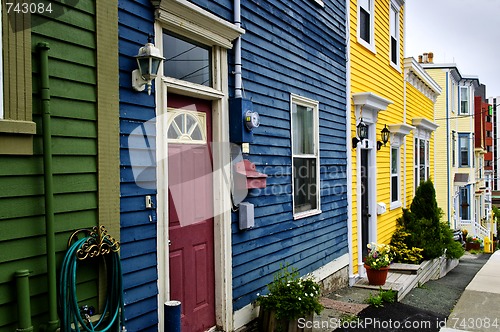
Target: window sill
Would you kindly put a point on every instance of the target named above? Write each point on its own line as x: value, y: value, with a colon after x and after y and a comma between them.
x: 16, y: 137
x: 395, y: 205
x: 369, y: 47
x: 306, y: 214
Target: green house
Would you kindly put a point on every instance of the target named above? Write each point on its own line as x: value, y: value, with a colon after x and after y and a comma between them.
x: 83, y: 138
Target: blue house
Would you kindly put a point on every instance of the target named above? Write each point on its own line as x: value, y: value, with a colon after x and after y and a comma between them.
x: 192, y: 167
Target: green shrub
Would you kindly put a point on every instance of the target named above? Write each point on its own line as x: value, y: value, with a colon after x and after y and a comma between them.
x: 421, y: 227
x: 403, y: 254
x: 291, y: 296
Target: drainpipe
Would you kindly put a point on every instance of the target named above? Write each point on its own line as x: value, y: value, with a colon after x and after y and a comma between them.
x: 53, y: 323
x: 352, y: 277
x: 237, y: 52
x: 448, y: 149
x: 23, y: 301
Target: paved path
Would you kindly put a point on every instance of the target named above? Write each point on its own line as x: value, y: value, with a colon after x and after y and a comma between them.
x: 423, y: 309
x: 478, y: 309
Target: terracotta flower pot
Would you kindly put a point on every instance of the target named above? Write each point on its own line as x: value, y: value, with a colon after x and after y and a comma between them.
x: 472, y: 246
x: 376, y: 277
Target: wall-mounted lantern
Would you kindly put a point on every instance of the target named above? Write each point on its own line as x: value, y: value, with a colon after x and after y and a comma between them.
x: 362, y: 133
x: 148, y: 62
x: 384, y: 136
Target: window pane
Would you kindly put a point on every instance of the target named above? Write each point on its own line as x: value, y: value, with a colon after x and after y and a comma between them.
x: 186, y: 61
x: 415, y: 148
x: 305, y: 188
x: 394, y: 50
x: 394, y: 161
x: 364, y: 25
x: 394, y: 189
x: 303, y: 129
x: 464, y: 100
x: 464, y: 150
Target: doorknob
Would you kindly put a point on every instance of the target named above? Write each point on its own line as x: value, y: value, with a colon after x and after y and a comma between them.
x: 169, y: 242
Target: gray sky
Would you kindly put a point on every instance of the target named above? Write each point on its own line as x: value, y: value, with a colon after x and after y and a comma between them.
x: 464, y: 32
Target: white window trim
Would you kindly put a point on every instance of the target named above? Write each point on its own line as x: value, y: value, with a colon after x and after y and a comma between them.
x: 469, y: 140
x: 393, y: 5
x: 397, y: 203
x: 199, y: 117
x: 370, y: 46
x: 467, y: 111
x: 398, y: 133
x: 416, y: 167
x: 303, y: 101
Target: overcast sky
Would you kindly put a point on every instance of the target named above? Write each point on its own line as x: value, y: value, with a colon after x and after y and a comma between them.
x: 464, y: 32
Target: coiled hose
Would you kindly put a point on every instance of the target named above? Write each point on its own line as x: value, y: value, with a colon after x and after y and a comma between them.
x: 68, y: 301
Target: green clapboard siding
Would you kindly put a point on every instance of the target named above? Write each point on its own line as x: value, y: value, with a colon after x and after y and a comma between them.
x: 72, y: 38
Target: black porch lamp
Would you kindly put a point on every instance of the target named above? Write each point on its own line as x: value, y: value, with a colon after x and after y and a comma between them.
x: 384, y: 136
x: 148, y: 62
x: 361, y: 131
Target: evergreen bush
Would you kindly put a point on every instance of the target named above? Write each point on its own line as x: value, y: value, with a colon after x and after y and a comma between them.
x: 422, y: 228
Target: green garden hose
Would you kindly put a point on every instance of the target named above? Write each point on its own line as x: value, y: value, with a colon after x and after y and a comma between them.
x: 71, y: 315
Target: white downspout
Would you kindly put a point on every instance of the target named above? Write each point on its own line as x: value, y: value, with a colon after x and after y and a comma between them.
x: 237, y: 52
x: 352, y: 278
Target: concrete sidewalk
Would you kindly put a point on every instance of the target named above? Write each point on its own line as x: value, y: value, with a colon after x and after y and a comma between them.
x: 478, y: 308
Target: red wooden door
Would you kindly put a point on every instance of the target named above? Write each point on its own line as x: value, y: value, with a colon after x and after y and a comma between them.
x: 191, y: 225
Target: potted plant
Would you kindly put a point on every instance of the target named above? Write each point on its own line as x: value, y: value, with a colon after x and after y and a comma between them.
x: 473, y: 243
x: 290, y: 298
x: 377, y: 263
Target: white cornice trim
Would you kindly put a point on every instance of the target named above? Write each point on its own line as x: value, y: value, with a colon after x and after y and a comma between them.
x: 183, y: 17
x: 400, y: 129
x: 369, y: 100
x: 424, y: 124
x: 420, y: 79
x: 398, y: 133
x: 368, y: 105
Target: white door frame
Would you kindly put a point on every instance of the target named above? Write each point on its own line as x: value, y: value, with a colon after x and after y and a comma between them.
x: 221, y: 191
x: 367, y: 144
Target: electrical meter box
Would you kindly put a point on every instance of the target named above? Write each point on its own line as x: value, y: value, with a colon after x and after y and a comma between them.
x: 242, y: 119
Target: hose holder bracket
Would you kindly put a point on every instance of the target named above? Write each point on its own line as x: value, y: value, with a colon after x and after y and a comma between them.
x: 99, y: 243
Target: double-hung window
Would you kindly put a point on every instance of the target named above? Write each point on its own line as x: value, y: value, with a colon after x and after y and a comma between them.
x: 464, y: 146
x: 465, y: 203
x: 16, y: 125
x: 366, y: 24
x: 395, y: 177
x: 305, y: 156
x: 422, y: 160
x: 394, y: 34
x: 464, y: 100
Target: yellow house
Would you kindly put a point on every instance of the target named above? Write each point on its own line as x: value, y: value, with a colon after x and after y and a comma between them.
x: 458, y: 180
x: 385, y: 92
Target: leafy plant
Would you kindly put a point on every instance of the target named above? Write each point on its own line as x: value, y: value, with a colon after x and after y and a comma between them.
x: 375, y: 301
x: 403, y: 254
x: 290, y: 296
x: 379, y: 255
x: 423, y: 223
x: 388, y: 296
x: 473, y: 239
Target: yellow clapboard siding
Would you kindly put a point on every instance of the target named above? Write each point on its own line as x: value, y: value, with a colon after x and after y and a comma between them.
x: 372, y: 72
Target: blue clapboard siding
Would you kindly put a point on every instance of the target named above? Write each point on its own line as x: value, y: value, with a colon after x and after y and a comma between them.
x: 138, y: 233
x: 290, y: 47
